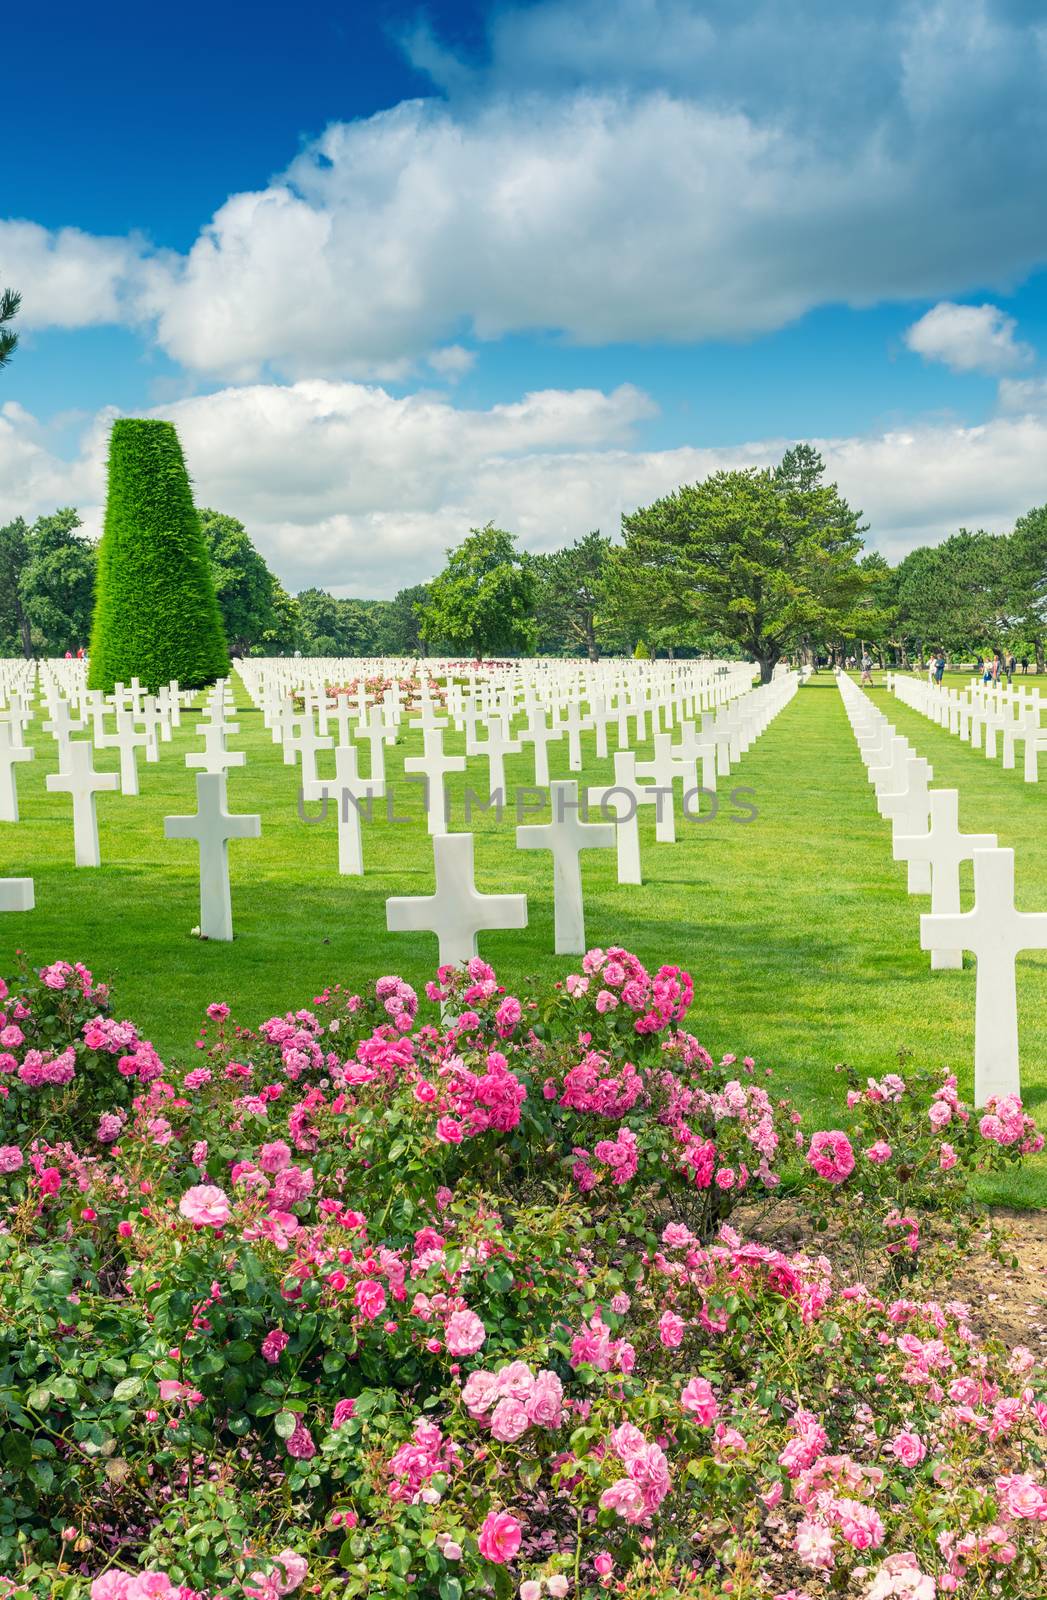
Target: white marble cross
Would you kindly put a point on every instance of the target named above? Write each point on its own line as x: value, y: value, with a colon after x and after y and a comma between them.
x: 663, y: 769
x: 126, y: 739
x: 212, y: 827
x: 348, y: 789
x: 217, y: 708
x: 307, y: 742
x: 434, y: 765
x: 165, y: 713
x: 154, y: 722
x: 456, y: 913
x: 378, y: 735
x: 18, y: 717
x: 80, y: 780
x: 909, y: 808
x: 429, y: 718
x: 567, y: 836
x: 10, y: 755
x: 575, y: 725
x: 175, y: 703
x: 539, y: 733
x: 689, y: 750
x: 63, y: 727
x: 1035, y: 745
x: 16, y: 894
x: 994, y: 931
x: 342, y: 714
x: 600, y: 715
x: 214, y: 759
x: 496, y: 747
x: 942, y: 848
x: 622, y: 799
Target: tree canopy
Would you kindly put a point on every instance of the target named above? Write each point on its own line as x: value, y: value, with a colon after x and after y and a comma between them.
x: 743, y: 562
x: 47, y: 580
x: 482, y: 603
x: 765, y: 558
x: 571, y: 601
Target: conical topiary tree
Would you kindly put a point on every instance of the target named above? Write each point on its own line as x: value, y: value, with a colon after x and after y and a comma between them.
x: 156, y: 616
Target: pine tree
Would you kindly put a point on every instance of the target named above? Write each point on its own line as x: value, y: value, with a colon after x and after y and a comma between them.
x: 156, y: 616
x: 10, y: 301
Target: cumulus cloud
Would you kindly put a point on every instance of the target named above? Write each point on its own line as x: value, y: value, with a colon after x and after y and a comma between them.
x: 1028, y: 395
x: 969, y: 339
x: 452, y: 361
x: 345, y: 486
x: 71, y: 279
x: 607, y: 216
x: 612, y: 170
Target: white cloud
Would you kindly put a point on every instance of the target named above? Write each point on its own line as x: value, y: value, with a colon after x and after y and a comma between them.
x: 614, y: 170
x: 452, y: 361
x: 1027, y: 395
x: 71, y: 279
x: 969, y: 339
x: 345, y: 486
x: 609, y: 216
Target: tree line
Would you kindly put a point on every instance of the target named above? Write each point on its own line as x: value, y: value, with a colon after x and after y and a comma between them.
x: 47, y: 592
x: 765, y: 563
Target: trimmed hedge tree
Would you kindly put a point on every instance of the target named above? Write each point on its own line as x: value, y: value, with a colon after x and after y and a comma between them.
x: 156, y: 616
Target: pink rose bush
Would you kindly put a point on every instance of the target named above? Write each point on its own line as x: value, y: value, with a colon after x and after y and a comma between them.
x: 374, y: 1299
x: 910, y: 1153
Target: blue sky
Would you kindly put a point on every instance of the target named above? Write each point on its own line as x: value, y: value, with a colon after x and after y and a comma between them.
x: 393, y: 271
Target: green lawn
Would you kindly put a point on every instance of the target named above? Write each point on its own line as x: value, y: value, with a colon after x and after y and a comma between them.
x: 797, y: 928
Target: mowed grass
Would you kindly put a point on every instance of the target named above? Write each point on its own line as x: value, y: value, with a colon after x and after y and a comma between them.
x: 797, y: 928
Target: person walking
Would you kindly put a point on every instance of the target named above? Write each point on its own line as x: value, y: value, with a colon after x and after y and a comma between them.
x: 939, y: 667
x: 867, y: 665
x: 1011, y: 664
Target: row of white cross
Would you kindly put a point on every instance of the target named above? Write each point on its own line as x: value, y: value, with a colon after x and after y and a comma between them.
x: 456, y: 912
x: 928, y: 837
x: 979, y: 713
x: 76, y: 775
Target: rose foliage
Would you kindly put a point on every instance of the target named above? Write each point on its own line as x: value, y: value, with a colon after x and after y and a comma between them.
x: 376, y: 1299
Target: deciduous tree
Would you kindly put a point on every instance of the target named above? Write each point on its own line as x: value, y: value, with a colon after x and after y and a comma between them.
x: 763, y: 558
x: 482, y: 604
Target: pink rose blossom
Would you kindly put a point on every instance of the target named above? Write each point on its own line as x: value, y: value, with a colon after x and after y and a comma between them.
x: 698, y: 1398
x: 205, y: 1205
x: 831, y: 1156
x: 465, y: 1333
x: 500, y: 1537
x: 908, y: 1448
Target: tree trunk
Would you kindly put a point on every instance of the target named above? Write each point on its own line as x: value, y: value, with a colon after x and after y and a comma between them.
x: 1037, y: 645
x: 25, y: 630
x: 591, y: 647
x: 767, y: 666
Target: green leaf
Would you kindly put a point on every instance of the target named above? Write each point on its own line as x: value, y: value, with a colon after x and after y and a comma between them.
x: 17, y: 1450
x: 285, y: 1424
x: 127, y: 1388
